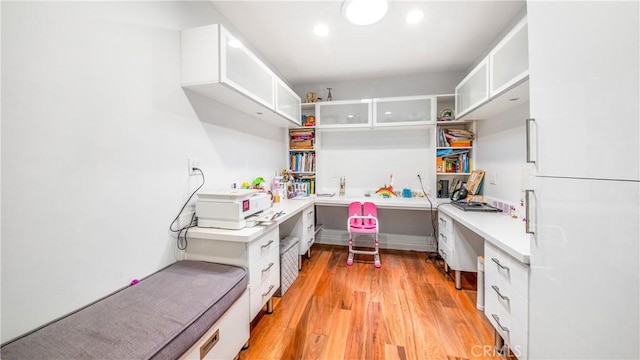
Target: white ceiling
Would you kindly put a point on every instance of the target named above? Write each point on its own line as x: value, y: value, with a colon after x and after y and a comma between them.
x: 451, y: 37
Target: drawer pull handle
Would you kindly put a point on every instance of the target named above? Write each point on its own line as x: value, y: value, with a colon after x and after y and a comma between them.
x: 310, y: 227
x: 443, y: 221
x: 443, y: 254
x: 267, y: 268
x: 500, y: 265
x: 497, y: 319
x: 444, y: 237
x: 267, y: 244
x: 268, y: 291
x: 497, y: 290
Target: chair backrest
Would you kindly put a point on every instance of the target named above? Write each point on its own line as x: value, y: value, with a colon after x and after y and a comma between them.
x: 370, y: 209
x: 355, y: 209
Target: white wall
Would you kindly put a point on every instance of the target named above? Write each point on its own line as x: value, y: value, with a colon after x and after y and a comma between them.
x: 500, y: 149
x: 96, y: 132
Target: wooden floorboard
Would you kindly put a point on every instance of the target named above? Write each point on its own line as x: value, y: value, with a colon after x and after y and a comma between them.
x: 407, y: 309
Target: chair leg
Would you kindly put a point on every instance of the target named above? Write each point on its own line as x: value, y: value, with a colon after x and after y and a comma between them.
x: 376, y: 257
x: 350, y: 257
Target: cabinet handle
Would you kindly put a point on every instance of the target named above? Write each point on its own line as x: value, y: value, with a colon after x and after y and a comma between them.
x: 267, y: 244
x: 527, y: 212
x: 444, y: 237
x: 268, y: 291
x: 528, y: 129
x: 497, y: 319
x: 267, y: 268
x: 443, y: 221
x: 310, y: 227
x: 500, y: 265
x: 497, y: 290
x: 443, y: 254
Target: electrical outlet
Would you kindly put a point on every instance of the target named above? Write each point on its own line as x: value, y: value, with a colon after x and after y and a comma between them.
x: 192, y: 163
x: 493, y: 177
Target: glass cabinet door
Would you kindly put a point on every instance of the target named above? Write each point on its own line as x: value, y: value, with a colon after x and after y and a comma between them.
x: 473, y: 90
x: 287, y: 102
x: 242, y: 70
x: 344, y: 114
x: 409, y: 110
x: 509, y: 60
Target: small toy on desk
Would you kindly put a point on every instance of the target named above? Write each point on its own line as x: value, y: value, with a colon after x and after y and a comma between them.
x: 387, y: 190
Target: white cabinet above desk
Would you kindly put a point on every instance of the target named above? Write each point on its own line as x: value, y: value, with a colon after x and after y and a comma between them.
x: 218, y: 66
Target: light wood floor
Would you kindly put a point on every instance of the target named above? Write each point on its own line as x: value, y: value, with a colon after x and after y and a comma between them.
x: 407, y: 309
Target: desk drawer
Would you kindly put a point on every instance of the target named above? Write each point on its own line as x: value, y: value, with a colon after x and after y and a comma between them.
x: 447, y: 254
x: 260, y: 271
x: 445, y: 223
x: 509, y: 301
x: 498, y: 264
x: 513, y: 333
x: 261, y: 294
x: 259, y: 248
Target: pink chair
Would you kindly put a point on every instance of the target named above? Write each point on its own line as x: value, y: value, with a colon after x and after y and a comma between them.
x: 363, y: 219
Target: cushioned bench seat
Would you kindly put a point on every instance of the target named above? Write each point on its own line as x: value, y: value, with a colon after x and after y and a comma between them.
x: 159, y: 318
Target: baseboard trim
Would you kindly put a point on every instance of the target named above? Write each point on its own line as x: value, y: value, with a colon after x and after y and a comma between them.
x: 386, y: 241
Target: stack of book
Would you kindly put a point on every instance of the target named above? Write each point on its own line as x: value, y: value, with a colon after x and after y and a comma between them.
x: 455, y: 137
x: 301, y: 139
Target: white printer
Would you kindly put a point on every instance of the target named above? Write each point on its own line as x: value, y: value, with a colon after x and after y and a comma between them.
x: 229, y: 209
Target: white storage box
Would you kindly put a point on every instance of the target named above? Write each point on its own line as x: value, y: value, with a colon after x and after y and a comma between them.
x: 288, y: 263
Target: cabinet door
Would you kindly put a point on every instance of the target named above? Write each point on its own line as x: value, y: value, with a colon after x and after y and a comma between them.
x: 584, y: 257
x: 473, y: 90
x: 402, y: 111
x: 242, y: 70
x: 287, y: 102
x: 509, y: 60
x: 584, y: 88
x: 344, y: 114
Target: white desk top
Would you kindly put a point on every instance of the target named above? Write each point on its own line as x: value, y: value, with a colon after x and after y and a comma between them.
x: 382, y: 203
x: 501, y: 230
x: 288, y: 207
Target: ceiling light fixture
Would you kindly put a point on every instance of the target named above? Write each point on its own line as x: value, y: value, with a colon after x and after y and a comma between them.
x: 321, y: 30
x: 364, y: 12
x: 414, y: 16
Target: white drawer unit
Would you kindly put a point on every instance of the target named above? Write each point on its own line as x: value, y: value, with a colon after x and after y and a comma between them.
x: 506, y: 298
x: 260, y: 256
x: 308, y: 231
x: 458, y: 246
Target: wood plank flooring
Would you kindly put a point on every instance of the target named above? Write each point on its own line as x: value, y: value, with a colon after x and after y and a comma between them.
x: 407, y: 309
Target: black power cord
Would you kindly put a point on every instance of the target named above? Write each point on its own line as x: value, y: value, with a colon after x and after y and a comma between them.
x: 434, y: 222
x: 182, y: 245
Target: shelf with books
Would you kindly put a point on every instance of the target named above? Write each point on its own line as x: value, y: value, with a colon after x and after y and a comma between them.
x: 454, y: 152
x: 302, y: 153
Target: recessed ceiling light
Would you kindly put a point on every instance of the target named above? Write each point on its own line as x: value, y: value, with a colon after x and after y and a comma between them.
x: 235, y: 43
x: 321, y: 30
x: 387, y: 112
x: 414, y: 16
x: 364, y: 12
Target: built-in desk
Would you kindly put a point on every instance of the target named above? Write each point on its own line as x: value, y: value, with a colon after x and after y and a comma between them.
x: 382, y: 203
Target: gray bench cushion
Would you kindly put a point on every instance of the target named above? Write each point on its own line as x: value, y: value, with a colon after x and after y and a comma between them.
x: 158, y: 318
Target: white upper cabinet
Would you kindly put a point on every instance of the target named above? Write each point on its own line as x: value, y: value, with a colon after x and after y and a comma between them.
x: 473, y: 90
x: 509, y: 60
x: 241, y: 69
x: 287, y: 102
x: 584, y: 81
x: 499, y: 81
x: 343, y: 114
x: 218, y: 66
x: 404, y: 111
